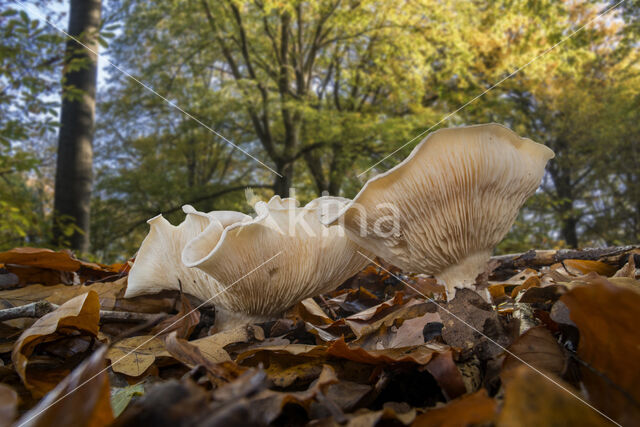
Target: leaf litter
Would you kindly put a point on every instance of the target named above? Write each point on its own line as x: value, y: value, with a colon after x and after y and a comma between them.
x: 385, y: 348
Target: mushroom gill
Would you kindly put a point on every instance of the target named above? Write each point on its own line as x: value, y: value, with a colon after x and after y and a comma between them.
x: 444, y: 208
x: 270, y: 263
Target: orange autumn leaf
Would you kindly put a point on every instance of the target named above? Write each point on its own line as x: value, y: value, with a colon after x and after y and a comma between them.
x: 79, y: 314
x: 471, y: 409
x: 606, y: 313
x: 81, y: 399
x: 40, y: 257
x: 581, y: 266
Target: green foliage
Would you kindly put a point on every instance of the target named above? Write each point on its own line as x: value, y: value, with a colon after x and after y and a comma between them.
x: 29, y: 56
x: 325, y: 89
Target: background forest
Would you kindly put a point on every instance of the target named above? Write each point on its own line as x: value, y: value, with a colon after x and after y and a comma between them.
x: 319, y: 91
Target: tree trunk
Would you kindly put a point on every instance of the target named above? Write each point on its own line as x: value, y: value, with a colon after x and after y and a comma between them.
x: 281, y: 185
x: 75, y: 152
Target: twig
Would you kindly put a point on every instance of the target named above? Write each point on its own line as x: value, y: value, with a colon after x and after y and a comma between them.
x: 40, y: 308
x: 612, y: 255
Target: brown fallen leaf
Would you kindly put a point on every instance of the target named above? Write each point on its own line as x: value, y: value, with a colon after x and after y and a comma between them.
x: 171, y: 403
x: 80, y: 315
x: 471, y: 409
x: 538, y: 348
x: 467, y: 316
x: 393, y: 316
x: 629, y: 269
x: 191, y: 356
x: 40, y: 257
x: 233, y: 407
x: 532, y: 400
x: 8, y: 405
x: 81, y: 399
x: 309, y: 311
x: 386, y: 416
x: 580, y: 266
x: 606, y: 314
x: 447, y: 374
x: 183, y: 322
x: 133, y: 356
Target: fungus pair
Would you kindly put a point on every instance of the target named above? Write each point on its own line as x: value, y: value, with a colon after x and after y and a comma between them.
x: 441, y: 211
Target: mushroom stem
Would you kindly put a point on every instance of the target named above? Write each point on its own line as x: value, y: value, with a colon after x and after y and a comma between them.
x: 464, y: 273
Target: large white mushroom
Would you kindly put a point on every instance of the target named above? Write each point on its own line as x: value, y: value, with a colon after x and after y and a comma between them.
x: 445, y: 207
x: 268, y: 264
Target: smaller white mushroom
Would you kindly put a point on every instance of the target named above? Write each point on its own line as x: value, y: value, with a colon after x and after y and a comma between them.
x: 158, y: 265
x: 268, y: 264
x: 444, y: 208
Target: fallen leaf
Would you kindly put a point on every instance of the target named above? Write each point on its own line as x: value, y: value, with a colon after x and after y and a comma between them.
x: 171, y: 403
x: 81, y: 399
x: 472, y: 409
x: 183, y: 322
x: 538, y: 348
x: 467, y: 319
x: 580, y: 266
x: 629, y: 269
x: 446, y: 373
x: 40, y: 257
x: 309, y: 311
x: 606, y: 314
x: 191, y: 356
x: 533, y: 400
x: 120, y: 398
x: 78, y: 315
x: 133, y: 356
x: 8, y: 405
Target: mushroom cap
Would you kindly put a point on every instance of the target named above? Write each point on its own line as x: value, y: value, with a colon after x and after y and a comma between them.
x: 279, y: 258
x: 454, y: 198
x: 158, y: 264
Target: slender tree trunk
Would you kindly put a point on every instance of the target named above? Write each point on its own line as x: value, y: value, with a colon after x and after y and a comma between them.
x: 75, y: 152
x: 281, y: 185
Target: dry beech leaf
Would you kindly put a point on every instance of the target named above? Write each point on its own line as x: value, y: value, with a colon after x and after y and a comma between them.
x: 81, y: 399
x: 385, y: 416
x: 606, y: 314
x: 133, y: 356
x: 183, y: 322
x: 187, y: 353
x: 59, y: 294
x: 80, y: 315
x: 629, y: 269
x: 411, y: 332
x: 8, y: 405
x: 538, y: 348
x: 309, y: 311
x: 472, y: 409
x: 232, y: 408
x: 579, y: 266
x: 40, y: 257
x: 387, y: 318
x: 420, y: 354
x: 532, y: 400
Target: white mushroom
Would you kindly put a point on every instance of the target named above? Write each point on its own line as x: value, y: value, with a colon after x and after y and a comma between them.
x: 445, y: 207
x: 158, y: 265
x: 270, y: 263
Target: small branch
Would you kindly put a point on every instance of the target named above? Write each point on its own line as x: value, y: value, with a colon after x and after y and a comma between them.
x: 613, y: 255
x: 40, y: 308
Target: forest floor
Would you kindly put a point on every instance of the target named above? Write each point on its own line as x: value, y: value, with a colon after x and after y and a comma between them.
x: 555, y: 343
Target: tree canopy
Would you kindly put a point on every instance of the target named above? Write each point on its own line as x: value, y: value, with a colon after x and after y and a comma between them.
x: 320, y: 92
